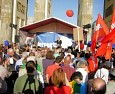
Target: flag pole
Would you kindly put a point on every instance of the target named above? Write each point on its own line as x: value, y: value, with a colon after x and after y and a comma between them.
x: 46, y: 8
x: 78, y: 38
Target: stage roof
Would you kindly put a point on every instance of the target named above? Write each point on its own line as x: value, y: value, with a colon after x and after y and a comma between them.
x: 45, y: 22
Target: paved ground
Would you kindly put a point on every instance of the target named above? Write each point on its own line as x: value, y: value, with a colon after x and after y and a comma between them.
x: 110, y: 87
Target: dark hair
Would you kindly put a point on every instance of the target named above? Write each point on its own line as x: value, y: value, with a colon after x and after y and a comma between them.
x: 50, y: 55
x: 30, y: 65
x: 82, y: 54
x: 102, y: 90
x: 87, y: 55
x: 76, y: 75
x: 58, y: 59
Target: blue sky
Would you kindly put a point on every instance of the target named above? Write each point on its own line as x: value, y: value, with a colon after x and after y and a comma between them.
x: 59, y: 8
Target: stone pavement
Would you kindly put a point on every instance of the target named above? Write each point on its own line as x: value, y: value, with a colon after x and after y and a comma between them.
x: 110, y: 87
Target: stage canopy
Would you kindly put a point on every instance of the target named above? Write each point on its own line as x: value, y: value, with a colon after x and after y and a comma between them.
x: 48, y: 31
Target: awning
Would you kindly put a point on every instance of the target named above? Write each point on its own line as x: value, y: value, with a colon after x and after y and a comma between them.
x: 45, y: 22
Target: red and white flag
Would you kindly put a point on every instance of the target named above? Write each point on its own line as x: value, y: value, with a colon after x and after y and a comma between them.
x: 106, y: 48
x: 113, y: 21
x: 111, y: 35
x: 101, y: 31
x: 108, y: 51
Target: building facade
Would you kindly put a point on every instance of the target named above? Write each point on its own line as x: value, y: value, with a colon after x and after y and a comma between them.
x: 43, y: 9
x: 30, y: 20
x: 108, y: 11
x: 85, y: 16
x: 13, y: 15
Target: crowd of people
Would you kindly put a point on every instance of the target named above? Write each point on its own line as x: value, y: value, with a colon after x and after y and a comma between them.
x: 41, y: 70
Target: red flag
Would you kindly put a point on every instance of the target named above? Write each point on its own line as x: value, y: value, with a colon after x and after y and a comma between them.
x: 101, y: 30
x: 103, y: 25
x: 113, y: 20
x: 102, y: 49
x: 105, y: 50
x: 111, y: 35
x: 94, y: 40
x: 106, y: 47
x: 108, y: 51
x: 92, y: 63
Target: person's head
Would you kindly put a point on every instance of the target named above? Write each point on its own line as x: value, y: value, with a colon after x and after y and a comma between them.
x: 30, y: 66
x: 99, y: 86
x: 10, y: 51
x: 78, y: 54
x: 81, y: 64
x: 106, y: 65
x: 82, y: 54
x: 50, y: 55
x: 31, y: 54
x: 33, y: 58
x: 87, y: 55
x: 58, y: 77
x: 69, y: 50
x: 67, y: 59
x: 58, y: 59
x: 23, y: 55
x: 77, y: 76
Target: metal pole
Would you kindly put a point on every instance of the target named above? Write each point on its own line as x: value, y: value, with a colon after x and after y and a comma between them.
x: 14, y: 21
x: 11, y: 24
x: 78, y: 38
x: 46, y: 8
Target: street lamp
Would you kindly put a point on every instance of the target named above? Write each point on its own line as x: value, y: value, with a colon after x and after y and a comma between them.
x: 87, y: 26
x: 12, y: 26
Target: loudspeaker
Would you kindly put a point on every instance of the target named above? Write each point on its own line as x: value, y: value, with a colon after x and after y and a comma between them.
x: 16, y: 38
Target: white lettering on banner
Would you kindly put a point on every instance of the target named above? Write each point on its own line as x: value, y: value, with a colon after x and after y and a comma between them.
x: 113, y: 25
x: 97, y: 27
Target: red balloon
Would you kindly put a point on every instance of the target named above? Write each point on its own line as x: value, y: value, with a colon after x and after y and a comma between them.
x: 69, y: 13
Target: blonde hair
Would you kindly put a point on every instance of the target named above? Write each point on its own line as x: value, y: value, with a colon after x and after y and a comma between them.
x: 58, y: 77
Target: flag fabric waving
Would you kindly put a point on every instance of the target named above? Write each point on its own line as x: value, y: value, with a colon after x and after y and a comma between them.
x: 101, y: 30
x: 106, y: 47
x: 102, y: 49
x: 113, y: 20
x: 108, y: 51
x: 111, y: 35
x: 92, y: 63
